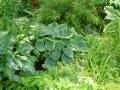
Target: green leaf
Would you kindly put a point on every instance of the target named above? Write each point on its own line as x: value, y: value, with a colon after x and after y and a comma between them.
x: 28, y: 67
x: 50, y: 62
x: 65, y: 59
x: 2, y: 34
x: 10, y: 63
x: 112, y: 13
x: 49, y: 45
x: 113, y: 26
x: 55, y: 55
x: 59, y: 45
x: 15, y: 78
x: 62, y: 27
x: 23, y: 48
x: 55, y: 34
x: 44, y: 30
x: 19, y: 63
x: 1, y: 68
x: 64, y: 31
x: 24, y: 58
x: 68, y: 52
x: 8, y: 71
x: 53, y: 25
x: 40, y: 46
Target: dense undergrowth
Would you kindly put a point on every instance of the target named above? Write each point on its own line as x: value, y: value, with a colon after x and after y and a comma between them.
x: 60, y: 45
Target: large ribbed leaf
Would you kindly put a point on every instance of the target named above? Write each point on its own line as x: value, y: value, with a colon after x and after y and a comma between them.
x: 112, y: 13
x: 11, y: 64
x: 53, y: 25
x: 8, y: 71
x: 55, y: 55
x: 50, y: 62
x: 44, y: 30
x: 49, y: 45
x: 19, y: 63
x: 68, y: 52
x: 40, y: 46
x: 59, y: 45
x: 65, y: 59
x: 24, y: 47
x: 112, y: 26
x: 28, y: 67
x: 64, y: 31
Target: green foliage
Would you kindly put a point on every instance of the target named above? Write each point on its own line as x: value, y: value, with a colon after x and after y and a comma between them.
x: 75, y: 12
x: 114, y: 15
x: 103, y: 58
x: 60, y: 78
x: 25, y: 42
x: 58, y: 42
x: 11, y: 60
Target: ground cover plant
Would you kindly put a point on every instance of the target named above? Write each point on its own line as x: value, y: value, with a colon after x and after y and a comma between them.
x: 59, y: 44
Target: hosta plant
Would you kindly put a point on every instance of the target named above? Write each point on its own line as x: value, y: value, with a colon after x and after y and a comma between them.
x: 58, y: 43
x: 10, y: 58
x: 26, y: 42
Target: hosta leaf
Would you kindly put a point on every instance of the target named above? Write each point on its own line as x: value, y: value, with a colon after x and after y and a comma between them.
x: 116, y: 2
x: 24, y: 58
x: 49, y: 45
x: 24, y: 47
x: 50, y: 62
x: 112, y: 17
x: 11, y: 64
x: 19, y: 63
x: 40, y: 46
x: 55, y: 55
x: 79, y: 42
x: 7, y: 41
x: 74, y: 47
x: 59, y: 45
x: 8, y: 71
x: 112, y: 13
x: 53, y: 25
x: 65, y: 59
x: 2, y: 34
x: 112, y: 26
x: 66, y: 34
x: 28, y: 67
x: 62, y: 27
x: 15, y: 78
x: 44, y: 30
x: 66, y: 41
x: 73, y: 31
x: 64, y: 31
x: 55, y: 34
x: 68, y: 52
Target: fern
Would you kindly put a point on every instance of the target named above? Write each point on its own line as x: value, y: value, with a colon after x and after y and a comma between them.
x: 77, y: 13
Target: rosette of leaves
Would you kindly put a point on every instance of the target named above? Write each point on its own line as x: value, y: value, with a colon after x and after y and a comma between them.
x: 11, y: 60
x: 58, y: 43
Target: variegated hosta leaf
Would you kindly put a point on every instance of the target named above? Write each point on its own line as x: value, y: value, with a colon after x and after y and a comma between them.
x: 39, y: 45
x: 116, y: 2
x: 113, y: 26
x: 112, y: 13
